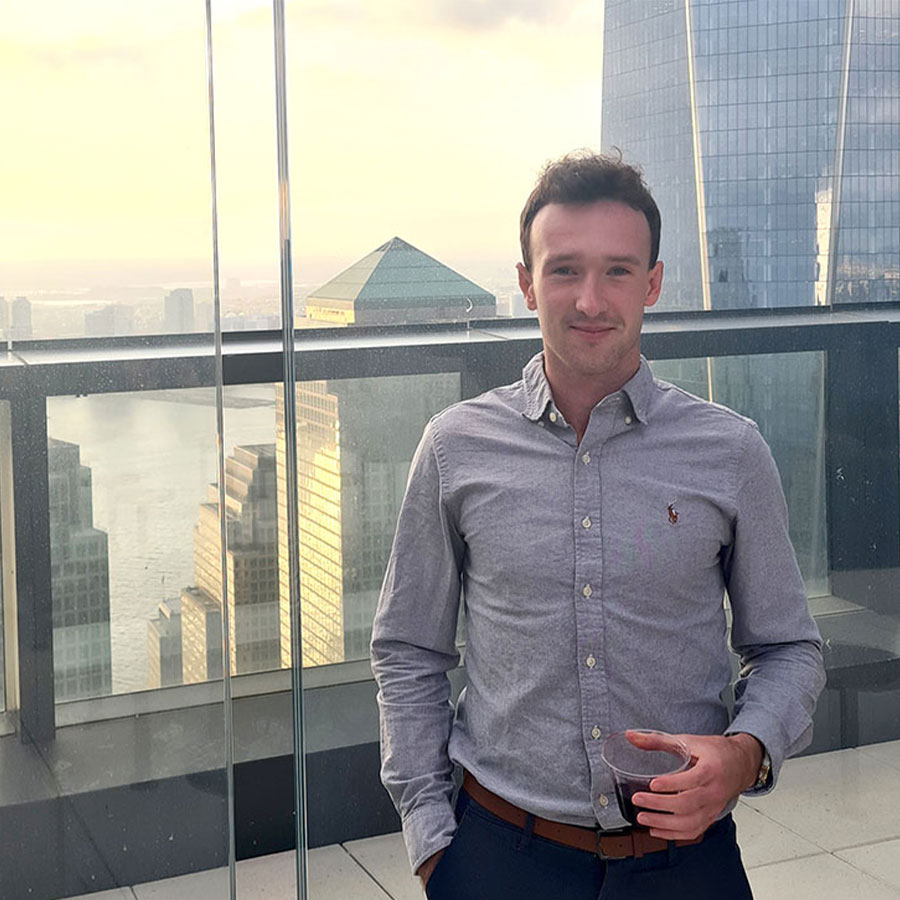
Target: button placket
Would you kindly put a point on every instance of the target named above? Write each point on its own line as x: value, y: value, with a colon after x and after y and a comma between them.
x: 588, y: 575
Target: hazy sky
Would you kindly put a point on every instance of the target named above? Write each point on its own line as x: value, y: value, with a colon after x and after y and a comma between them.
x: 423, y: 118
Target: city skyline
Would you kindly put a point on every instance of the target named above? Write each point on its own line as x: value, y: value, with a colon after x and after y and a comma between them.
x: 483, y: 71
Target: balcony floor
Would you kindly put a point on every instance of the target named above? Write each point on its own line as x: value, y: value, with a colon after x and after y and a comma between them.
x: 830, y: 831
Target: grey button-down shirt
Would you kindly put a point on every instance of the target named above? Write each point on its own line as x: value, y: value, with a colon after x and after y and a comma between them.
x: 593, y: 578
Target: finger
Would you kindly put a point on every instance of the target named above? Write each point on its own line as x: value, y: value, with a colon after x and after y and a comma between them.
x: 663, y: 802
x: 647, y: 740
x: 669, y: 835
x: 680, y: 781
x: 671, y: 828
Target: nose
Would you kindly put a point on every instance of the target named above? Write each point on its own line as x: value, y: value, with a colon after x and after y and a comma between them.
x: 591, y: 300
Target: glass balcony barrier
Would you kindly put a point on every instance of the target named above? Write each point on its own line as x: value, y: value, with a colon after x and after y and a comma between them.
x: 112, y: 562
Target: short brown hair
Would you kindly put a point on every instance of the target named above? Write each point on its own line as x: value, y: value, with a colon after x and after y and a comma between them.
x: 585, y: 177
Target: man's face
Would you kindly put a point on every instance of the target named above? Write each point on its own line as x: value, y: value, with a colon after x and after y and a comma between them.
x: 589, y: 282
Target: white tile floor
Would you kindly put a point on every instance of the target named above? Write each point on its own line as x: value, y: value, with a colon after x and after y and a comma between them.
x: 830, y: 831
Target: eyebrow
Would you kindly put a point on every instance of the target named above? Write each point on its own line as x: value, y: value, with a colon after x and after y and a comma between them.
x: 631, y: 260
x: 571, y: 257
x: 559, y: 258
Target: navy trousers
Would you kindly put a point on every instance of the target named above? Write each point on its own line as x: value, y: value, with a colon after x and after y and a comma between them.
x: 489, y: 859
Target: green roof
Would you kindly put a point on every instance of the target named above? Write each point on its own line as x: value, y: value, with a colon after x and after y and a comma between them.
x: 400, y: 275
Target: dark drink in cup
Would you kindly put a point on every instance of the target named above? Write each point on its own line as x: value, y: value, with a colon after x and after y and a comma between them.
x: 624, y: 790
x: 634, y: 768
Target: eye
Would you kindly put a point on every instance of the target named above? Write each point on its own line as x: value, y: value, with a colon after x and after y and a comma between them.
x: 563, y: 270
x: 619, y: 271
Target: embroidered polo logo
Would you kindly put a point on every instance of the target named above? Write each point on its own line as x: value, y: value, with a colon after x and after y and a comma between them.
x: 673, y: 514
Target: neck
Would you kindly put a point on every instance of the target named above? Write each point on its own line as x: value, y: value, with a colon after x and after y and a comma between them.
x: 576, y: 399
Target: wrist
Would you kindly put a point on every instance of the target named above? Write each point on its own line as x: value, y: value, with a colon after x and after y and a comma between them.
x: 753, y: 754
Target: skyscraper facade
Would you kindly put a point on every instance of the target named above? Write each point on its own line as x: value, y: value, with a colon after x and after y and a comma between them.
x: 769, y: 133
x: 252, y: 568
x: 79, y: 575
x: 164, y: 651
x: 179, y: 311
x: 355, y: 440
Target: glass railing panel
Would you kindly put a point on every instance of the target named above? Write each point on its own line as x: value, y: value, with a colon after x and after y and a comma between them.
x: 784, y: 394
x: 134, y: 508
x: 839, y: 479
x: 107, y: 235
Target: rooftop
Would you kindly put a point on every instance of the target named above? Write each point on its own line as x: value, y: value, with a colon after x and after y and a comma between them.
x: 398, y: 275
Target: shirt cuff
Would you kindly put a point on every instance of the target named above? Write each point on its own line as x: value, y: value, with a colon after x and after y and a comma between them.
x: 427, y: 829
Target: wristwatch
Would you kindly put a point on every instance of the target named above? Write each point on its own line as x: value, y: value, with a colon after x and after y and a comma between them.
x: 765, y: 769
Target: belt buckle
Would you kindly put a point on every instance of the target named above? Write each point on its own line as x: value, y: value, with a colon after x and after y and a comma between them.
x: 599, y: 833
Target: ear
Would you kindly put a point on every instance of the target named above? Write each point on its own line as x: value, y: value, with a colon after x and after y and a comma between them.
x: 526, y: 285
x: 654, y: 284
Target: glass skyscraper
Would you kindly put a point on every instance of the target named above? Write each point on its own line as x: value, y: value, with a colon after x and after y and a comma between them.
x: 79, y: 571
x: 769, y: 132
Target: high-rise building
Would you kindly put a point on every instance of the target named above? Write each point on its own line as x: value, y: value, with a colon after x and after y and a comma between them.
x: 201, y: 636
x: 79, y: 573
x: 20, y: 320
x: 110, y: 320
x: 4, y: 317
x: 398, y: 283
x: 179, y: 311
x: 164, y: 655
x: 252, y: 569
x: 769, y: 134
x: 355, y: 440
x: 204, y: 316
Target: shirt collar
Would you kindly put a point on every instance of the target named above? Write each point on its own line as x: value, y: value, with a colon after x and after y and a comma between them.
x: 538, y: 394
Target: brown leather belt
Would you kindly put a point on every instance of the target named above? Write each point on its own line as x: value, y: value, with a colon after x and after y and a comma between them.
x: 633, y: 842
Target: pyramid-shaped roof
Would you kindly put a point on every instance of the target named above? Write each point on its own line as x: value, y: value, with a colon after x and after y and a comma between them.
x: 397, y: 275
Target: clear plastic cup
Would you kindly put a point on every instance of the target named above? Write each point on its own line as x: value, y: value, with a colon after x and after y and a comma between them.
x: 634, y: 768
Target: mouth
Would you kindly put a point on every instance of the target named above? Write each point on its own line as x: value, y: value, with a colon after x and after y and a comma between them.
x: 591, y: 330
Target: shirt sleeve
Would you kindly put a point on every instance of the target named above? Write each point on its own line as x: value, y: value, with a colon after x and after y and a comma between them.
x: 413, y: 649
x: 780, y: 649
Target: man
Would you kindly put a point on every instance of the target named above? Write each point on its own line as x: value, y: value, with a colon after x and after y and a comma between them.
x: 592, y: 518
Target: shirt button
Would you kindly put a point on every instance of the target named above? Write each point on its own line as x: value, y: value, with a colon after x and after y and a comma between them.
x: 628, y: 420
x: 603, y: 800
x: 587, y: 590
x: 590, y: 662
x: 552, y: 417
x: 586, y: 458
x: 586, y: 522
x: 595, y: 732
